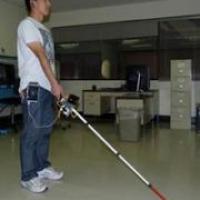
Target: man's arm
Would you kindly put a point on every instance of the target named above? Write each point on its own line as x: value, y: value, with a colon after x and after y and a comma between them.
x: 38, y: 50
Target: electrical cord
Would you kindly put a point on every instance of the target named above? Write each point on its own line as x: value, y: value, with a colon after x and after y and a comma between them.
x: 65, y: 107
x: 37, y: 125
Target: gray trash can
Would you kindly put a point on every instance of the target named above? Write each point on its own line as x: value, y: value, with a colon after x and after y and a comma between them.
x: 129, y: 124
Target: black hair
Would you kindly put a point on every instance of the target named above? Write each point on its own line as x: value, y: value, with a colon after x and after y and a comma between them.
x: 28, y: 5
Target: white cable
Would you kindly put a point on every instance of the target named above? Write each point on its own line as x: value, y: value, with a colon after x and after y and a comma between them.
x: 35, y: 122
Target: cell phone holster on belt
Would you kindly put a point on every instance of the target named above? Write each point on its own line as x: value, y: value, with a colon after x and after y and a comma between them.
x: 33, y: 91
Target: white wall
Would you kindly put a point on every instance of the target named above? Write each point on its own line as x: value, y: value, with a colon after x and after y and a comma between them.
x: 134, y: 11
x: 10, y: 15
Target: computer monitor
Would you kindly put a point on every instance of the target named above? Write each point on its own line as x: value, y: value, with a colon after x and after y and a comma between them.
x: 137, y: 78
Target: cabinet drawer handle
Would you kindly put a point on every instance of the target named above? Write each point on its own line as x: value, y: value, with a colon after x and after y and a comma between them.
x: 181, y: 71
x: 181, y: 86
x: 181, y: 101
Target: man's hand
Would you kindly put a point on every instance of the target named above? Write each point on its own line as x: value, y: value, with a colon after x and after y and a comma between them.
x: 57, y: 90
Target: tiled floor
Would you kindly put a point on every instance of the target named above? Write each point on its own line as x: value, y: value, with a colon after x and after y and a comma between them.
x: 169, y: 159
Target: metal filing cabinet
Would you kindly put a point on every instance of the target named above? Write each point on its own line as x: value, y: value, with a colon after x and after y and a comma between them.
x: 181, y: 84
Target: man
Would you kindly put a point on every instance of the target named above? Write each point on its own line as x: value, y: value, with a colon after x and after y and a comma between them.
x: 38, y: 85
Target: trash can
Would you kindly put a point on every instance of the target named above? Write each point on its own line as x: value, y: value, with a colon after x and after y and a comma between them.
x: 129, y: 124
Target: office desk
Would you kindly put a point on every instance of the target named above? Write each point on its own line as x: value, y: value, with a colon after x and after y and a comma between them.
x: 99, y: 102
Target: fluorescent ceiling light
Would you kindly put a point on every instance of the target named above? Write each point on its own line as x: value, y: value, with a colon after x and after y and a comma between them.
x: 69, y: 45
x: 131, y: 41
x: 141, y: 45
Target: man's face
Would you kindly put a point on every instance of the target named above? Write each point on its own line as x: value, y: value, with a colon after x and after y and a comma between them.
x: 42, y: 6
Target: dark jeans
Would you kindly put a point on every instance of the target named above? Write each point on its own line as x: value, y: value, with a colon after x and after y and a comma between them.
x: 34, y: 140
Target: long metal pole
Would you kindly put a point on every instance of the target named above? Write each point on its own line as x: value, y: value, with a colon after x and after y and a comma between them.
x: 119, y: 156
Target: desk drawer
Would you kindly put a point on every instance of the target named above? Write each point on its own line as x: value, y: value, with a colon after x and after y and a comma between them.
x: 92, y: 108
x: 92, y: 97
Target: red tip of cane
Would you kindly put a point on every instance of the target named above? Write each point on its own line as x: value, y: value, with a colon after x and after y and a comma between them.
x: 157, y: 193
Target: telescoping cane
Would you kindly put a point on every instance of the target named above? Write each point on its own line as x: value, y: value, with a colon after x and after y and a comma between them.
x: 67, y: 108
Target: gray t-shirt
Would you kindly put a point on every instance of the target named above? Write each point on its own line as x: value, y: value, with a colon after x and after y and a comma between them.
x: 30, y: 69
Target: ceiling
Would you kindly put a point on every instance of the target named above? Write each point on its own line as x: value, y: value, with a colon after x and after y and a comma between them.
x: 180, y: 33
x: 187, y: 31
x: 173, y: 34
x: 67, y: 5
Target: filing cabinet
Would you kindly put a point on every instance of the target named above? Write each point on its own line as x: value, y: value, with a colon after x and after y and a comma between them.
x: 180, y: 68
x: 180, y: 99
x: 181, y: 84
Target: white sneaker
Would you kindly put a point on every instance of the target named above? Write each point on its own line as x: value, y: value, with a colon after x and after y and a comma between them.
x: 34, y: 185
x: 50, y: 173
